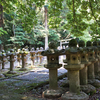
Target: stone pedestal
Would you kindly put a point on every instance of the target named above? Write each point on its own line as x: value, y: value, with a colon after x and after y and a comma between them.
x: 98, y: 46
x: 18, y: 58
x: 39, y: 55
x: 74, y: 89
x: 97, y: 56
x: 53, y: 91
x: 74, y: 96
x: 11, y: 55
x: 92, y: 59
x: 53, y: 64
x: 24, y: 58
x: 32, y: 54
x: 73, y: 67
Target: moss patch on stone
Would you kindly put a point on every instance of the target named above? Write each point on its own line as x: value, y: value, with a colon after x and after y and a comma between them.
x: 81, y: 43
x: 73, y: 43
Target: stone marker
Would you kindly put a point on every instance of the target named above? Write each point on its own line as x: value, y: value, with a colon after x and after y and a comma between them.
x: 96, y: 64
x: 18, y: 58
x: 85, y: 87
x: 92, y: 59
x: 32, y: 54
x: 39, y: 55
x: 24, y: 58
x: 98, y: 68
x: 52, y: 64
x: 11, y: 59
x: 73, y: 66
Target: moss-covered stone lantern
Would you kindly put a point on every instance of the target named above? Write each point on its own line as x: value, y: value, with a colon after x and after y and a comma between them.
x: 39, y: 54
x: 92, y: 59
x: 18, y: 58
x: 99, y: 59
x: 73, y: 66
x: 32, y: 54
x: 85, y: 87
x: 24, y: 59
x: 11, y: 60
x: 97, y: 56
x: 52, y: 64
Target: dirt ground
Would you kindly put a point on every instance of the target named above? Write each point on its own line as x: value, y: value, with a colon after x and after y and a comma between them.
x: 37, y: 93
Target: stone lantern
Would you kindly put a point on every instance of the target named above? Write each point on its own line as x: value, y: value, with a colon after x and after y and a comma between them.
x: 1, y: 75
x: 3, y: 59
x: 11, y: 60
x: 32, y: 54
x: 85, y: 87
x: 39, y: 54
x: 52, y: 64
x: 97, y: 56
x: 73, y: 66
x: 18, y: 58
x: 24, y: 59
x: 99, y: 59
x: 92, y: 59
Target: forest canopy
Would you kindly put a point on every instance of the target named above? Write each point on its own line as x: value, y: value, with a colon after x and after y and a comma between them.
x: 77, y: 18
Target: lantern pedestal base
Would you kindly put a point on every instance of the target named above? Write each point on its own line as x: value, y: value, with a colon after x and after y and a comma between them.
x: 23, y: 69
x: 74, y: 96
x: 94, y: 82
x: 11, y: 72
x: 18, y: 66
x: 88, y: 89
x: 3, y: 70
x: 51, y: 94
x: 2, y: 76
x: 97, y: 77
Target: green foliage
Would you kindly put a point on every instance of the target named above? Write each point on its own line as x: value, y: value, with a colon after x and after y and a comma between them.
x: 80, y: 18
x: 19, y: 38
x: 53, y: 35
x: 2, y: 31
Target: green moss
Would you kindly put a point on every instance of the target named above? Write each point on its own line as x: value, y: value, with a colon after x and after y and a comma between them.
x: 52, y: 45
x: 25, y: 88
x: 88, y: 43
x: 99, y: 43
x: 92, y: 92
x: 81, y: 43
x: 73, y: 43
x: 95, y: 43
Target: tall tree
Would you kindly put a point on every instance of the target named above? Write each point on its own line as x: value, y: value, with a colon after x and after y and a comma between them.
x: 1, y: 16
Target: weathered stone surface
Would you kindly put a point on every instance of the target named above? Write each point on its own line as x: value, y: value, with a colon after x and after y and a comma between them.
x: 94, y: 82
x: 11, y: 72
x: 74, y: 96
x: 88, y: 89
x: 2, y: 76
x: 52, y: 54
x: 24, y: 59
x: 51, y: 94
x: 74, y: 67
x: 23, y: 69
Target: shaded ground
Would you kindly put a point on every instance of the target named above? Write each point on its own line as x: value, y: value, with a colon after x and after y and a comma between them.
x: 31, y: 84
x: 16, y: 88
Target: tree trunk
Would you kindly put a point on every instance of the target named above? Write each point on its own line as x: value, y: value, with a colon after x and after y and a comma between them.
x: 1, y: 21
x: 1, y: 16
x: 46, y: 37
